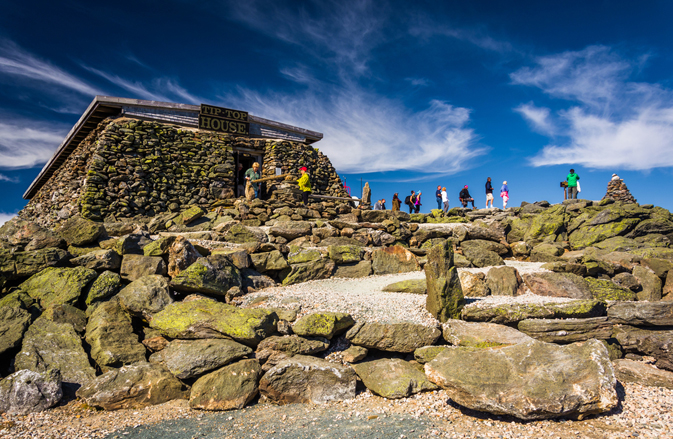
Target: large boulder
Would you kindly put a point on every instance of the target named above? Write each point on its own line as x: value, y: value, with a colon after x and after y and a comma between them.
x: 473, y: 284
x: 20, y: 265
x: 504, y: 281
x: 14, y: 320
x: 205, y: 318
x: 299, y: 255
x: 56, y: 286
x: 567, y: 330
x: 109, y: 332
x: 50, y: 345
x: 532, y: 380
x: 190, y: 358
x: 395, y: 259
x: 274, y: 349
x: 79, y: 231
x: 107, y: 284
x: 445, y: 295
x: 27, y: 391
x: 481, y: 335
x: 181, y: 254
x: 323, y: 324
x: 546, y: 253
x: 67, y: 314
x: 229, y: 388
x: 512, y: 313
x: 241, y: 234
x: 305, y: 271
x: 136, y: 266
x: 482, y: 257
x: 99, y: 260
x: 303, y: 379
x: 641, y: 313
x: 558, y: 285
x: 269, y: 261
x: 629, y: 371
x: 146, y: 296
x: 548, y: 224
x: 28, y: 235
x: 477, y: 245
x: 290, y: 229
x: 361, y: 269
x: 654, y: 343
x: 344, y: 254
x: 588, y: 235
x: 602, y: 289
x: 213, y: 275
x: 132, y: 387
x: 392, y: 378
x: 650, y: 282
x: 393, y: 337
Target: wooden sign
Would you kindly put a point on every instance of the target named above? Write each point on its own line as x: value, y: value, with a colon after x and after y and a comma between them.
x: 224, y: 120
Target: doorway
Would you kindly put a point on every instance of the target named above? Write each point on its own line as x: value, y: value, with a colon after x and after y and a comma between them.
x: 244, y: 161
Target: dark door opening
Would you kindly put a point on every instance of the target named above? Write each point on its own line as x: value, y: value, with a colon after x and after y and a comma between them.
x: 244, y: 162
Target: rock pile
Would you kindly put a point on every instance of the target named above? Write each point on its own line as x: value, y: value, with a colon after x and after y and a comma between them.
x: 618, y: 191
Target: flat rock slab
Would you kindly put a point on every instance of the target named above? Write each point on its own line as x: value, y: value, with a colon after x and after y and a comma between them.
x: 642, y: 373
x: 558, y: 285
x: 641, y: 313
x: 654, y: 343
x: 392, y: 378
x: 132, y: 387
x: 190, y: 358
x: 413, y: 286
x: 481, y: 335
x: 56, y: 286
x: 567, y: 330
x: 393, y: 337
x: 515, y: 312
x: 323, y: 324
x: 532, y: 380
x: 308, y: 379
x: 229, y: 388
x: 27, y: 391
x: 205, y: 318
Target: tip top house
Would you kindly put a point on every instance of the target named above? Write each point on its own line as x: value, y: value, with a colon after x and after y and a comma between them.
x: 128, y: 157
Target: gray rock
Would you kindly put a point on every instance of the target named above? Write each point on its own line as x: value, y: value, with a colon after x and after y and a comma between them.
x: 275, y: 349
x: 20, y: 265
x: 241, y: 234
x: 445, y: 295
x: 323, y: 324
x: 426, y: 354
x: 354, y: 354
x: 411, y: 286
x: 602, y: 289
x: 628, y: 281
x: 654, y: 343
x: 650, y: 282
x: 567, y: 330
x: 75, y: 317
x: 504, y: 281
x: 473, y: 284
x: 481, y: 257
x: 533, y: 380
x: 303, y: 379
x: 229, y: 388
x: 136, y: 266
x: 269, y: 261
x: 479, y: 245
x: 291, y: 229
x: 79, y: 231
x: 190, y: 358
x: 305, y: 271
x: 353, y: 271
x: 558, y: 285
x: 255, y: 280
x: 630, y: 371
x: 515, y: 312
x: 56, y: 286
x: 181, y: 254
x: 344, y: 254
x: 99, y: 260
x: 27, y: 391
x: 392, y: 378
x: 213, y: 275
x: 107, y: 284
x: 146, y: 296
x: 132, y: 387
x: 546, y: 253
x: 14, y: 320
x: 641, y: 313
x: 50, y: 345
x: 28, y: 235
x: 395, y: 259
x: 481, y: 335
x: 393, y: 337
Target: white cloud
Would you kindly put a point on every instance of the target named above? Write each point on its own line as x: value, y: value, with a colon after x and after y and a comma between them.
x: 26, y: 143
x: 611, y: 123
x: 4, y: 217
x: 8, y: 179
x: 18, y: 63
x: 418, y: 82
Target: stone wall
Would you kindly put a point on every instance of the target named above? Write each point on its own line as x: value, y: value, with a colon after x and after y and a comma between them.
x: 128, y: 167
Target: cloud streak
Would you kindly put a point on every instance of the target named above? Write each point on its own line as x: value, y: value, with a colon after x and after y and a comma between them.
x: 25, y: 143
x: 8, y: 179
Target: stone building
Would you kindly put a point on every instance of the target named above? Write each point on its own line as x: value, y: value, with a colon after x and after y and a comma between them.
x: 129, y: 157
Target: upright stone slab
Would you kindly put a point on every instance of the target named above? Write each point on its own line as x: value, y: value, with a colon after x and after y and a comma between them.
x: 445, y: 295
x: 229, y: 388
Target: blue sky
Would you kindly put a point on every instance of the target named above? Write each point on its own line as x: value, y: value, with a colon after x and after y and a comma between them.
x: 408, y: 96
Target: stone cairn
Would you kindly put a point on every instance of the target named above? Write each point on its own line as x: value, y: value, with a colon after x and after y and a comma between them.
x: 618, y: 191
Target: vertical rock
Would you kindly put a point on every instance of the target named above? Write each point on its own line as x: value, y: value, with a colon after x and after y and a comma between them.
x: 445, y: 295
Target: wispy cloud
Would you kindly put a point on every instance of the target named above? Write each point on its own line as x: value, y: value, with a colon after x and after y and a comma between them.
x: 26, y: 143
x: 8, y: 179
x: 418, y: 82
x: 18, y: 63
x: 424, y: 26
x: 610, y: 123
x: 4, y: 217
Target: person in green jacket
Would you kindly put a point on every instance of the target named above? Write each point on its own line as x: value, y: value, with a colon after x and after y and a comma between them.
x: 253, y: 174
x: 304, y: 184
x: 572, y: 179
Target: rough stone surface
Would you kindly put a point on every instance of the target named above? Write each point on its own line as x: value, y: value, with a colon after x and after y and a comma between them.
x: 99, y: 260
x: 558, y: 285
x: 361, y: 269
x: 641, y: 313
x: 656, y: 344
x: 269, y: 261
x: 132, y: 387
x: 14, y: 320
x: 481, y: 257
x: 323, y: 324
x: 27, y: 391
x: 354, y: 354
x: 602, y: 289
x: 650, y: 282
x: 181, y: 254
x: 481, y: 335
x: 107, y: 284
x: 79, y: 231
x: 136, y: 266
x: 393, y: 337
x: 504, y: 281
x: 515, y: 312
x: 412, y: 286
x: 445, y: 296
x: 473, y: 284
x: 630, y: 371
x: 392, y: 378
x: 229, y: 388
x: 303, y: 379
x: 395, y: 259
x: 56, y: 286
x: 213, y: 275
x: 146, y: 296
x: 532, y: 380
x: 428, y: 353
x: 305, y: 271
x: 567, y: 330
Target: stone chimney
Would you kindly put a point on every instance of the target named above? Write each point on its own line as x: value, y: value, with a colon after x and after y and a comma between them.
x: 618, y: 191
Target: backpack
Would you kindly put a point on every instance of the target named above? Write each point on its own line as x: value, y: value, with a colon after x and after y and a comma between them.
x: 407, y: 200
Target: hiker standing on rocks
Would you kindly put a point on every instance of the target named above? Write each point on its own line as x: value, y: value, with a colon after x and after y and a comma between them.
x: 438, y: 195
x: 304, y: 184
x: 465, y: 196
x: 417, y: 204
x: 573, y: 181
x: 410, y: 201
x: 253, y: 174
x: 380, y: 205
x: 489, y: 192
x: 445, y: 201
x: 396, y: 203
x: 504, y: 193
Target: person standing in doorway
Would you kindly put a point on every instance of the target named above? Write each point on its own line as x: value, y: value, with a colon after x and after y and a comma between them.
x: 489, y: 192
x: 251, y: 175
x: 445, y: 201
x: 504, y: 193
x: 438, y: 195
x: 304, y: 184
x: 572, y: 180
x: 396, y: 203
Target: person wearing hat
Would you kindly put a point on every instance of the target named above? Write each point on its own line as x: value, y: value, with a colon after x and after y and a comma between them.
x: 504, y: 193
x: 304, y: 184
x: 253, y: 174
x: 573, y: 180
x: 465, y: 196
